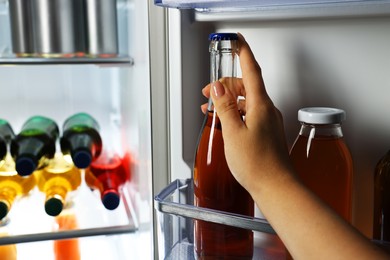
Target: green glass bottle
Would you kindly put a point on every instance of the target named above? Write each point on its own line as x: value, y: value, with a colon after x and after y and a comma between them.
x: 81, y: 139
x: 6, y: 135
x: 34, y: 145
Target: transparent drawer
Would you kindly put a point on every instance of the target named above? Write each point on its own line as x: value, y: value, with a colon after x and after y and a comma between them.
x: 176, y: 214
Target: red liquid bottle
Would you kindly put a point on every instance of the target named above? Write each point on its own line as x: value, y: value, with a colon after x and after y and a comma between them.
x: 107, y: 174
x: 322, y: 159
x: 214, y: 185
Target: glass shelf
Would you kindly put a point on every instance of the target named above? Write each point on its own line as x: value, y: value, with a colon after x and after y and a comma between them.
x: 119, y: 60
x: 93, y: 219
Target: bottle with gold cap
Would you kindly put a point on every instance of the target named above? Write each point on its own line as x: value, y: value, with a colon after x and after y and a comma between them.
x: 56, y: 180
x: 12, y: 185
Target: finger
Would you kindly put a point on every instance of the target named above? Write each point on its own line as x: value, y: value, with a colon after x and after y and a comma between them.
x: 203, y: 107
x: 235, y: 85
x: 225, y: 105
x: 251, y: 73
x: 206, y: 91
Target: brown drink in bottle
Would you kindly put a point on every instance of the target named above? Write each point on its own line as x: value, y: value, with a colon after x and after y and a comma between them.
x: 322, y: 159
x: 381, y: 223
x: 214, y: 185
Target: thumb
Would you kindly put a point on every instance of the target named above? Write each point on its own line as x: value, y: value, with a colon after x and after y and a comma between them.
x: 225, y: 105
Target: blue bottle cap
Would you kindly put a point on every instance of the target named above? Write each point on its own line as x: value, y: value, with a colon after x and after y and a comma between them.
x: 53, y: 206
x: 82, y: 159
x: 111, y: 200
x: 25, y: 165
x: 3, y: 209
x: 223, y: 36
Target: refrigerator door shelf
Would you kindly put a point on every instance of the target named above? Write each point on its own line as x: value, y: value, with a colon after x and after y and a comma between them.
x: 176, y: 214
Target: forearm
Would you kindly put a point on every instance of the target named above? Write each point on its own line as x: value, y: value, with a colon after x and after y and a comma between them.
x: 314, y: 234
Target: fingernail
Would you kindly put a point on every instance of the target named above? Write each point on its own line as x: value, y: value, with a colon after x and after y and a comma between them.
x: 218, y: 90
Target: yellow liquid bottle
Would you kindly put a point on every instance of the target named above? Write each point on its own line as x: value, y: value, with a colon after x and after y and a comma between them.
x: 12, y: 185
x: 56, y: 180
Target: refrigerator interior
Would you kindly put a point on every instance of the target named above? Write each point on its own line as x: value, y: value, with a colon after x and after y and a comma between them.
x: 323, y: 57
x: 116, y: 92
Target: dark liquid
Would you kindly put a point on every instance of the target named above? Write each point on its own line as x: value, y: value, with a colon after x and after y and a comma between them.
x: 327, y: 171
x: 381, y: 225
x: 216, y: 188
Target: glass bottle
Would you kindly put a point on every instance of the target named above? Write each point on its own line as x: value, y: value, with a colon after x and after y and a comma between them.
x: 107, y: 175
x: 81, y: 139
x: 7, y: 252
x: 6, y: 135
x: 12, y: 185
x: 65, y: 249
x: 214, y: 184
x: 56, y: 180
x: 381, y: 223
x: 322, y: 159
x: 34, y: 145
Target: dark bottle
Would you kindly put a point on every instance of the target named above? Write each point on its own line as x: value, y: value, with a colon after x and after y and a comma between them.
x: 6, y: 135
x: 381, y: 224
x: 107, y: 174
x: 34, y: 145
x: 214, y: 185
x: 81, y: 139
x: 322, y: 159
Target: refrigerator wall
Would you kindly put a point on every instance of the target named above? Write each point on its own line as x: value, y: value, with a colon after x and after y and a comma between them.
x: 336, y: 57
x: 116, y: 91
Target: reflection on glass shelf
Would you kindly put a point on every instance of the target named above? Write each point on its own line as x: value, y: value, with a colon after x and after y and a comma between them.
x: 28, y: 221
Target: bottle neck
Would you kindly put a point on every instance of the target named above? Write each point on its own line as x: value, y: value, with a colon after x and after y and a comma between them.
x: 57, y: 191
x: 223, y: 63
x: 329, y: 130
